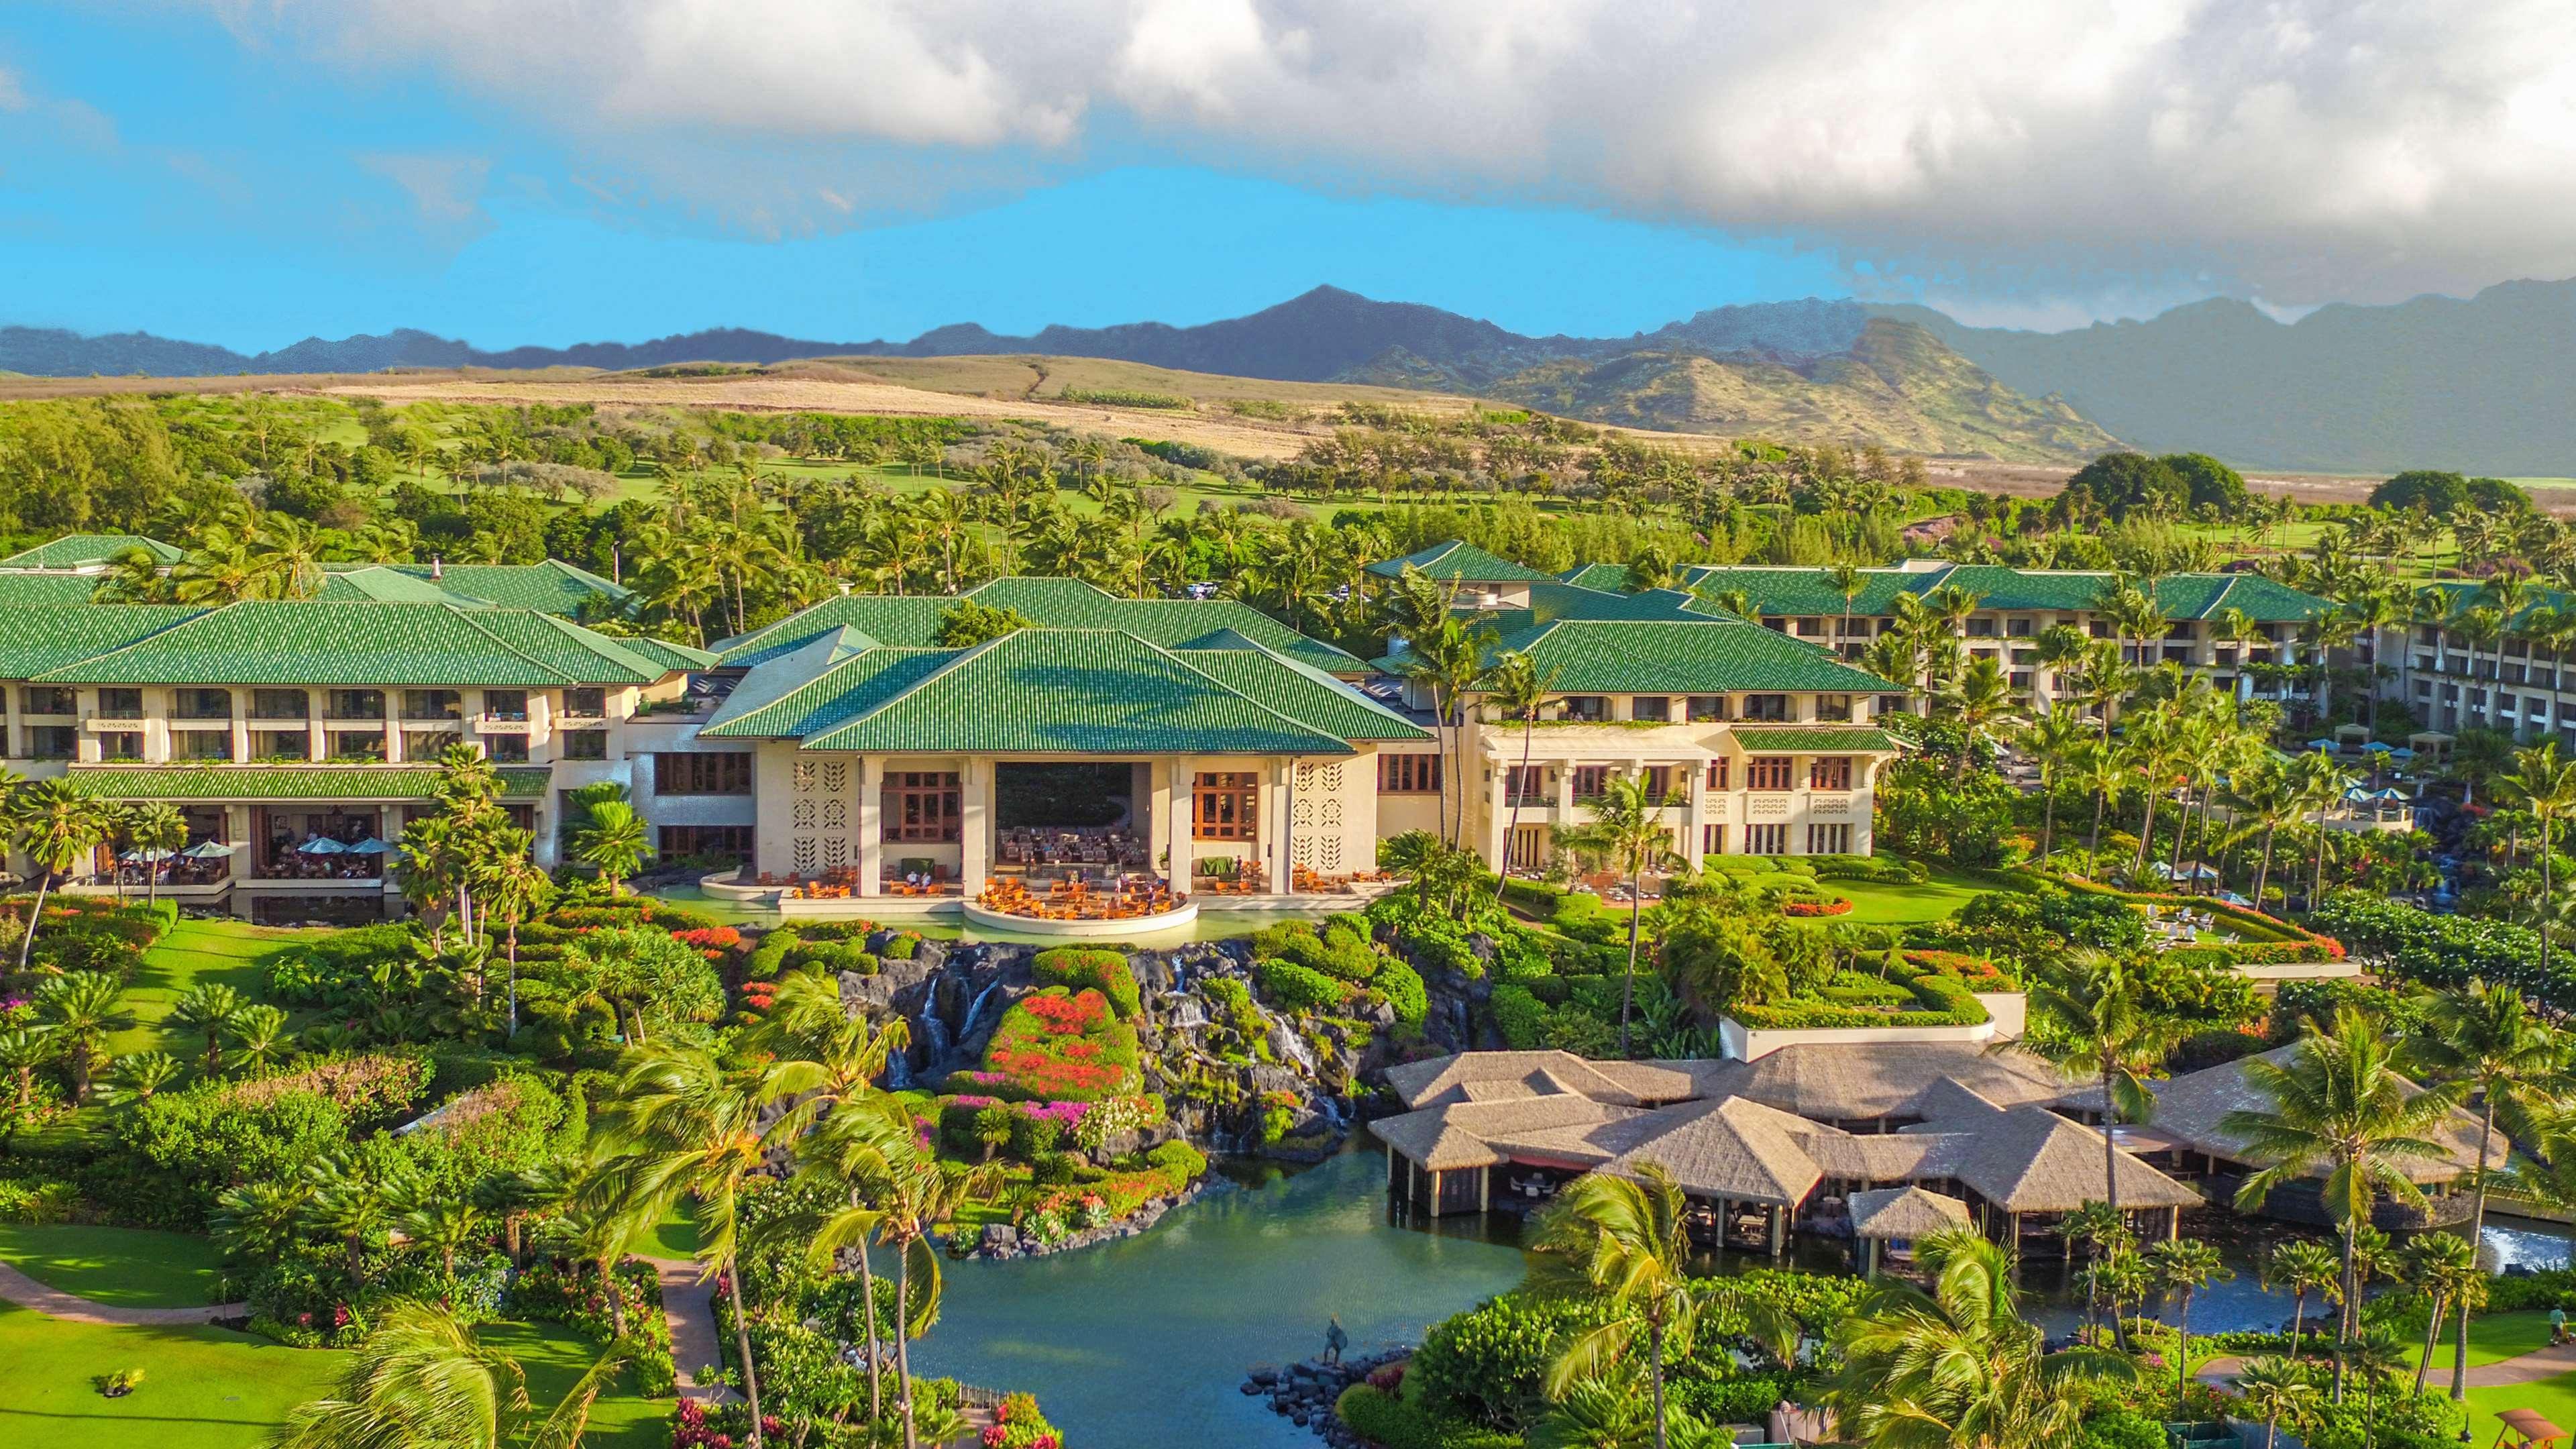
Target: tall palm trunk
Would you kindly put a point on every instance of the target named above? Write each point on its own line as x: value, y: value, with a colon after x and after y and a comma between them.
x: 742, y: 1342
x: 2146, y: 832
x: 2298, y: 1317
x: 2432, y: 1333
x: 2263, y: 873
x: 2047, y: 817
x: 2093, y: 841
x: 2477, y: 1232
x: 868, y: 1295
x: 902, y: 1336
x: 1628, y: 985
x: 2351, y: 1290
x: 27, y: 942
x: 1511, y: 831
x: 1655, y: 1375
x: 2110, y: 1196
x: 2317, y: 870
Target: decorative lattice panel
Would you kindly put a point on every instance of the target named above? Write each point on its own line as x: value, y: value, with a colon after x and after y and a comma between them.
x: 805, y: 852
x: 1768, y: 807
x: 1830, y: 807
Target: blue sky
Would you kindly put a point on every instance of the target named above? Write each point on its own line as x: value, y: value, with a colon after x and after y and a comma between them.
x: 252, y: 172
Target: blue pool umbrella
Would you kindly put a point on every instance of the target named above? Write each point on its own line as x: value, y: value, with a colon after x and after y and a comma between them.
x: 2321, y: 744
x: 323, y: 845
x: 2401, y: 753
x: 2380, y: 746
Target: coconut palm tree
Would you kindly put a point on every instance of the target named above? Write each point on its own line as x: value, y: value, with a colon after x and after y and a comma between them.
x: 919, y: 1192
x: 1621, y: 1243
x: 158, y: 830
x: 1960, y: 1365
x: 2545, y: 785
x: 54, y: 824
x: 1444, y: 660
x: 2105, y: 1234
x: 696, y: 1126
x: 2443, y: 1269
x: 2487, y: 1039
x: 852, y: 1157
x: 1515, y: 690
x: 1980, y: 702
x: 1629, y: 831
x: 2319, y: 783
x: 2182, y: 1267
x: 613, y: 841
x: 2303, y: 1266
x: 2056, y: 743
x: 2274, y: 1388
x: 513, y: 890
x: 2102, y: 772
x: 2259, y: 802
x: 208, y: 1007
x: 2338, y: 1104
x: 421, y: 1378
x: 81, y: 1008
x: 1848, y: 581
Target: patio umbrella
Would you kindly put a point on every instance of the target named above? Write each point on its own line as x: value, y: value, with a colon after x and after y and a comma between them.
x: 2380, y: 747
x: 2321, y: 744
x: 141, y: 857
x: 369, y: 846
x: 323, y: 845
x: 207, y: 850
x: 2401, y: 753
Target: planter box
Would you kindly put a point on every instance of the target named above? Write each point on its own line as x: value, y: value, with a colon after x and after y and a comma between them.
x: 2006, y: 1013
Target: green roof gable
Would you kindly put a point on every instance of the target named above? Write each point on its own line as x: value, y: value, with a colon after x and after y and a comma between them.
x: 77, y: 550
x: 912, y: 621
x: 1816, y: 739
x: 38, y: 638
x: 551, y: 587
x: 1306, y: 695
x: 1711, y: 656
x: 21, y: 586
x: 315, y: 643
x: 1805, y: 591
x: 1609, y: 578
x: 1460, y: 563
x: 383, y: 585
x: 818, y: 689
x: 286, y: 782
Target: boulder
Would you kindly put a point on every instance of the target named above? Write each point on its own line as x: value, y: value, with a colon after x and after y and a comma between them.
x: 1000, y: 1236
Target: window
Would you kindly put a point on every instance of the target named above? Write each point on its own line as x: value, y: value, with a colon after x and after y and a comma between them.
x: 46, y: 699
x: 1223, y: 806
x: 1834, y: 707
x: 2177, y: 654
x: 584, y: 744
x: 1659, y: 781
x: 2018, y: 628
x: 1587, y: 706
x: 2098, y: 629
x: 920, y: 805
x: 1528, y: 783
x: 1657, y: 707
x: 1766, y: 840
x: 202, y: 744
x: 507, y: 749
x: 1408, y: 774
x: 1767, y: 772
x: 1811, y: 627
x: 120, y: 745
x: 505, y: 704
x: 589, y: 703
x: 1589, y: 781
x: 280, y: 704
x: 2020, y: 680
x: 1981, y: 628
x: 298, y: 745
x: 1829, y: 840
x: 362, y: 745
x: 1829, y: 772
x: 1773, y: 708
x: 202, y: 703
x: 1706, y: 707
x: 52, y: 742
x: 725, y: 774
x: 432, y: 704
x: 1717, y: 774
x: 355, y: 704
x: 1712, y: 840
x: 120, y: 704
x: 685, y: 842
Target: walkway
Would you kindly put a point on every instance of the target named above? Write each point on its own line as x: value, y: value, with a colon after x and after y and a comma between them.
x: 690, y: 1305
x: 2540, y: 1363
x: 26, y: 1292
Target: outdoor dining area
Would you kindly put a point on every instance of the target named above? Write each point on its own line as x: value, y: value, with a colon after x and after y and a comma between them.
x: 325, y: 857
x: 206, y: 863
x: 1073, y: 898
x: 1075, y: 846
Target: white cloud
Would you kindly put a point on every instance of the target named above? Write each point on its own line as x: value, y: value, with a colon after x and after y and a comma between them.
x: 2299, y: 149
x: 446, y: 190
x: 13, y: 96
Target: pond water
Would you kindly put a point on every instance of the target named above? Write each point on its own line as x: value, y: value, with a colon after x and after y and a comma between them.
x: 1210, y: 925
x: 1145, y: 1340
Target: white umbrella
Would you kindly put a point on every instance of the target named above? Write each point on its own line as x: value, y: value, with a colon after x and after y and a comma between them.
x: 207, y: 850
x: 139, y: 857
x: 323, y: 845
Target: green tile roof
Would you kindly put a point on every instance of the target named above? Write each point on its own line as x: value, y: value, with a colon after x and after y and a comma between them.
x: 1463, y: 563
x: 39, y: 638
x: 285, y: 782
x: 1706, y: 656
x: 819, y: 688
x: 1806, y: 591
x: 665, y: 652
x: 551, y: 587
x: 1074, y: 691
x: 1306, y: 695
x: 912, y: 621
x: 1609, y: 578
x: 23, y: 586
x: 1807, y: 739
x: 314, y: 643
x: 385, y: 585
x: 73, y: 550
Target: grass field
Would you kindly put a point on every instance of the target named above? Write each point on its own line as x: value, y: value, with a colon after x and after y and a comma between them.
x: 120, y: 1267
x: 2554, y: 1398
x: 1877, y: 904
x: 232, y: 952
x: 553, y: 1358
x: 203, y: 1388
x: 2492, y: 1339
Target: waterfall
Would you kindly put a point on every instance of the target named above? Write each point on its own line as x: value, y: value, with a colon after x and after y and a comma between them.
x: 899, y: 1071
x: 1187, y: 1012
x: 1285, y: 1041
x: 975, y: 1012
x: 935, y: 1032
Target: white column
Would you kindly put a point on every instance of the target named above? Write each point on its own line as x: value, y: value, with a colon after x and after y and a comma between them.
x: 1285, y: 832
x: 1160, y: 777
x: 871, y: 818
x: 1694, y: 846
x: 974, y: 824
x: 1498, y: 815
x: 1184, y: 838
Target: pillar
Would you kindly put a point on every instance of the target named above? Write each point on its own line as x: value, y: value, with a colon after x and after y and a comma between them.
x: 1869, y: 1257
x: 1184, y: 835
x: 2173, y: 1225
x: 974, y: 823
x: 1285, y: 832
x: 1725, y: 1221
x: 1390, y: 1168
x: 1498, y: 820
x: 1779, y: 1238
x: 1484, y: 1189
x: 871, y: 817
x: 1435, y: 1192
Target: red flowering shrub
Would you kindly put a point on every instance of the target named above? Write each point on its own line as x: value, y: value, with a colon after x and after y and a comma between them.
x: 710, y: 938
x: 1061, y: 1046
x: 1835, y: 907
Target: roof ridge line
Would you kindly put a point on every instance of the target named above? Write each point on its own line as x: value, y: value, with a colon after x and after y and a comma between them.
x: 506, y: 646
x: 1175, y: 655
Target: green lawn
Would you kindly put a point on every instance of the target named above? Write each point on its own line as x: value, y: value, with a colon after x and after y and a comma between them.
x: 2554, y: 1398
x: 553, y: 1358
x: 203, y: 1388
x: 1878, y: 904
x: 675, y: 1236
x: 123, y: 1267
x: 233, y: 952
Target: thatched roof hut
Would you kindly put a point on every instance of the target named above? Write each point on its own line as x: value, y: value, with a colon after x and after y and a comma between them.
x: 1905, y: 1214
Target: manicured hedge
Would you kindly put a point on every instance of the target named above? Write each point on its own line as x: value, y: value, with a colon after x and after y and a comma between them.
x: 1102, y: 971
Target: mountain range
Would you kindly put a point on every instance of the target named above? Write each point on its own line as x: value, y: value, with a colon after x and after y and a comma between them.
x: 2476, y: 384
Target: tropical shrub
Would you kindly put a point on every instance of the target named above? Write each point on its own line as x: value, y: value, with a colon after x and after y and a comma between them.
x: 1056, y: 1044
x: 830, y: 957
x: 1298, y: 988
x: 1102, y: 971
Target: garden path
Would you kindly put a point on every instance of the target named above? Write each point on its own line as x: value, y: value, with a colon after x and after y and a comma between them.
x: 2540, y: 1363
x: 26, y: 1292
x: 690, y: 1305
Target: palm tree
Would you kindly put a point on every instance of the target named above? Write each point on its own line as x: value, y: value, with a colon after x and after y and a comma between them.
x: 2184, y: 1266
x: 2056, y: 743
x: 2105, y: 1234
x: 1444, y: 661
x: 919, y: 1192
x: 421, y: 1378
x: 2103, y: 1031
x: 2340, y: 1104
x: 2273, y: 1389
x: 1623, y: 1244
x: 81, y: 1008
x: 1516, y: 690
x: 2319, y: 783
x: 514, y: 889
x: 209, y: 1007
x: 697, y: 1126
x: 2545, y: 785
x: 2259, y: 802
x: 259, y: 1030
x: 2487, y: 1039
x: 2376, y: 1353
x: 2444, y: 1269
x: 22, y: 1050
x: 158, y: 830
x: 2304, y: 1267
x: 1628, y: 830
x: 54, y: 824
x: 1848, y: 581
x: 1960, y: 1365
x: 1979, y: 701
x: 614, y: 841
x: 2103, y: 773
x: 135, y: 1077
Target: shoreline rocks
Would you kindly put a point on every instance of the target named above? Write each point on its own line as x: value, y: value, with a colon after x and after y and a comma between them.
x: 1001, y: 1242
x: 1304, y: 1392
